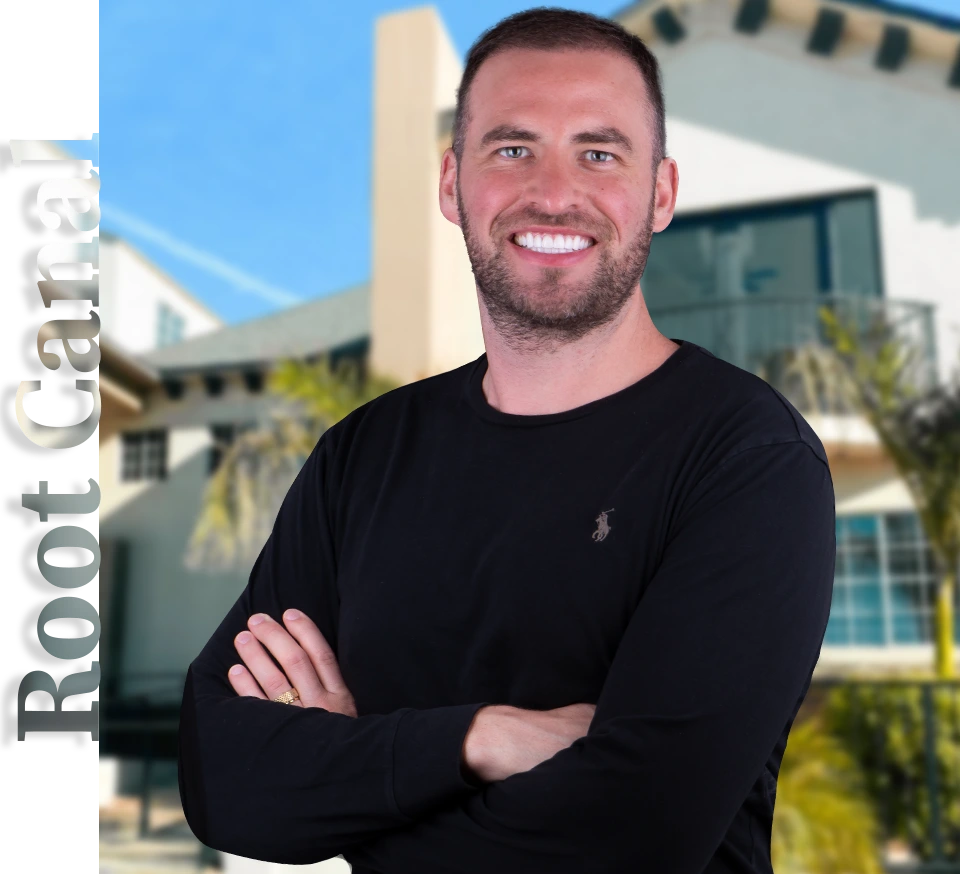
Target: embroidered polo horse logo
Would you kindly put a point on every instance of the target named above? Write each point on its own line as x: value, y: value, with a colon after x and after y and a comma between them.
x: 603, y: 527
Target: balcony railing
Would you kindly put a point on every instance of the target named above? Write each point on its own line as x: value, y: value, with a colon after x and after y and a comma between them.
x: 764, y: 334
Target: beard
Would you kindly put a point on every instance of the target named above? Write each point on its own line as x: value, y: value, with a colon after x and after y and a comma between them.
x: 554, y: 311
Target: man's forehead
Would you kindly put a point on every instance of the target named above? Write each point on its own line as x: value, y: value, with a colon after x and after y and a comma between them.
x: 518, y: 82
x: 593, y: 68
x: 591, y: 95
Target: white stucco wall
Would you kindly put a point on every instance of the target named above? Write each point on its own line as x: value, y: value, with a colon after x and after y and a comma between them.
x: 756, y: 118
x: 171, y: 610
x: 131, y: 291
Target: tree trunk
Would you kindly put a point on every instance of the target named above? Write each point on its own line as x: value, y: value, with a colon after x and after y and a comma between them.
x: 943, y: 627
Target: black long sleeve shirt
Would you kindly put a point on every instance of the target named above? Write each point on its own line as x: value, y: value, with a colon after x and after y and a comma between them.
x: 665, y: 552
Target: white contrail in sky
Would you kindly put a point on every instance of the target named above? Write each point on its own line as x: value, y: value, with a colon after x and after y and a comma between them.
x: 204, y: 260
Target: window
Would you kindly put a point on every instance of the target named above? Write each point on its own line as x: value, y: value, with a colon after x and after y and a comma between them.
x: 170, y: 326
x: 746, y: 283
x: 789, y: 249
x: 885, y: 585
x: 144, y: 455
x: 223, y: 436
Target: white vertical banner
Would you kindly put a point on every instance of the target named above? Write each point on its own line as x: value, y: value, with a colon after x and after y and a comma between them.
x: 48, y: 67
x: 48, y: 88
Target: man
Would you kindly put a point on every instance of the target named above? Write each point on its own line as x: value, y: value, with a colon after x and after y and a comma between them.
x: 554, y: 610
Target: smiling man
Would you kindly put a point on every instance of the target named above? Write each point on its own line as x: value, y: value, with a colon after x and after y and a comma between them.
x: 554, y: 610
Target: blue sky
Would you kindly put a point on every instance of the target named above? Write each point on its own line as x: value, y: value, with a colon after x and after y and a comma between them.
x: 235, y: 144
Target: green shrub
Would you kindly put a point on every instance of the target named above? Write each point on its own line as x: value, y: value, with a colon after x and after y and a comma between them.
x: 882, y: 726
x: 823, y: 821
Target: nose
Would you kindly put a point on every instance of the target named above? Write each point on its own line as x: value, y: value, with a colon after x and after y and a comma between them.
x: 553, y: 185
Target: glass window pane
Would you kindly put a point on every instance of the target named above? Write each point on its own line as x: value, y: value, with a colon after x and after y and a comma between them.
x: 904, y: 560
x: 131, y: 467
x: 854, y: 245
x: 777, y: 255
x: 838, y: 631
x: 680, y: 266
x: 908, y: 629
x: 867, y: 630
x: 841, y: 566
x: 866, y: 597
x: 906, y: 597
x: 861, y: 529
x: 864, y: 561
x: 902, y: 527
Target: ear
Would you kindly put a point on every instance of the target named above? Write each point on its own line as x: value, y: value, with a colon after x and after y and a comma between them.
x: 448, y: 187
x: 665, y: 196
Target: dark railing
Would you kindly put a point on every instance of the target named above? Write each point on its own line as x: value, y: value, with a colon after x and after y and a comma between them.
x: 139, y: 717
x: 904, y: 735
x: 762, y: 334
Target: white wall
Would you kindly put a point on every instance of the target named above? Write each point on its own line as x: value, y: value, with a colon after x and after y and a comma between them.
x: 757, y: 118
x: 131, y: 291
x: 171, y: 611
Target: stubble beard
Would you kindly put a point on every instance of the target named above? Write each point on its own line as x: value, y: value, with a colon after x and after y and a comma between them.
x: 555, y: 311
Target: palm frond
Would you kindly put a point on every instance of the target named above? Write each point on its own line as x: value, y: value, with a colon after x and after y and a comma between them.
x: 243, y: 496
x: 886, y: 379
x: 823, y: 821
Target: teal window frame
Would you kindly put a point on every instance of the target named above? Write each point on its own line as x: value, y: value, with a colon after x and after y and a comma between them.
x: 885, y: 583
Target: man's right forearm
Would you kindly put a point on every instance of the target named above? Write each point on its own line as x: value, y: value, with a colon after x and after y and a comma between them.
x: 299, y: 785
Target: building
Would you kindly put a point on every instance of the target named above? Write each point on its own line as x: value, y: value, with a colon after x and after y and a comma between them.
x: 816, y: 141
x: 195, y: 397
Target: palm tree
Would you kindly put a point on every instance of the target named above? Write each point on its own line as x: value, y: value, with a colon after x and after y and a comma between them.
x: 244, y: 494
x: 823, y: 820
x: 878, y: 374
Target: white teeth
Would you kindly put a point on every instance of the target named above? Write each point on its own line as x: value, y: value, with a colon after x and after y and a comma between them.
x: 553, y: 244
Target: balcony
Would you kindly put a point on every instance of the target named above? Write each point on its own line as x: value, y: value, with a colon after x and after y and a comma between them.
x: 775, y: 337
x: 765, y: 335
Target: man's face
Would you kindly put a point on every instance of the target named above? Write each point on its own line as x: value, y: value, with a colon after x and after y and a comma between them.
x: 558, y: 144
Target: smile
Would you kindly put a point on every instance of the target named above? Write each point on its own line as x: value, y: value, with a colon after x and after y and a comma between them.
x: 555, y: 244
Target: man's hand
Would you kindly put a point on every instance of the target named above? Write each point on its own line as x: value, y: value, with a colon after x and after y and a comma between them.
x: 504, y: 740
x: 308, y: 661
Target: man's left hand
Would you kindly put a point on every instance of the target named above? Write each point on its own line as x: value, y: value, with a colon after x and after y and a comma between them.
x: 308, y: 663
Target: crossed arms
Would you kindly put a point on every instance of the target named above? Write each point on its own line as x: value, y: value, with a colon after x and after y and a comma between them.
x: 710, y: 670
x: 501, y: 740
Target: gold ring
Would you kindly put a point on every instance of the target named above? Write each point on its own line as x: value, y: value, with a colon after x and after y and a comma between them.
x: 288, y: 697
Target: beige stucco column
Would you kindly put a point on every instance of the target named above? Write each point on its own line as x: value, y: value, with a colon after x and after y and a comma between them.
x: 425, y: 317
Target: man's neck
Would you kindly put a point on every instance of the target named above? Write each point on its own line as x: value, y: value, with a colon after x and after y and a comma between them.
x: 606, y: 360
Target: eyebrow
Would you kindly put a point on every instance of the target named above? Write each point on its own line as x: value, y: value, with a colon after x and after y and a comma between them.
x: 609, y: 135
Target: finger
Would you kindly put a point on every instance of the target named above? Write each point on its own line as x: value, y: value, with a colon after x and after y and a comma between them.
x: 296, y: 668
x: 321, y: 654
x: 243, y: 682
x: 261, y: 667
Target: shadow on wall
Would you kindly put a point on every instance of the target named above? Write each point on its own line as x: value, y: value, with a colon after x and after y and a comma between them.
x: 167, y: 612
x: 869, y: 125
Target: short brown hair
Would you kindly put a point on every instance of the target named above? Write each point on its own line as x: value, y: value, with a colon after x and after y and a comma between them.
x: 548, y: 28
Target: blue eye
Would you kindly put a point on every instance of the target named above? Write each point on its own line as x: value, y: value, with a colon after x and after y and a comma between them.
x: 607, y: 159
x: 510, y: 149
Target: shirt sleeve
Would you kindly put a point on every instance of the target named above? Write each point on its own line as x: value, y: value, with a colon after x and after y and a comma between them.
x: 712, y: 667
x: 298, y: 785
